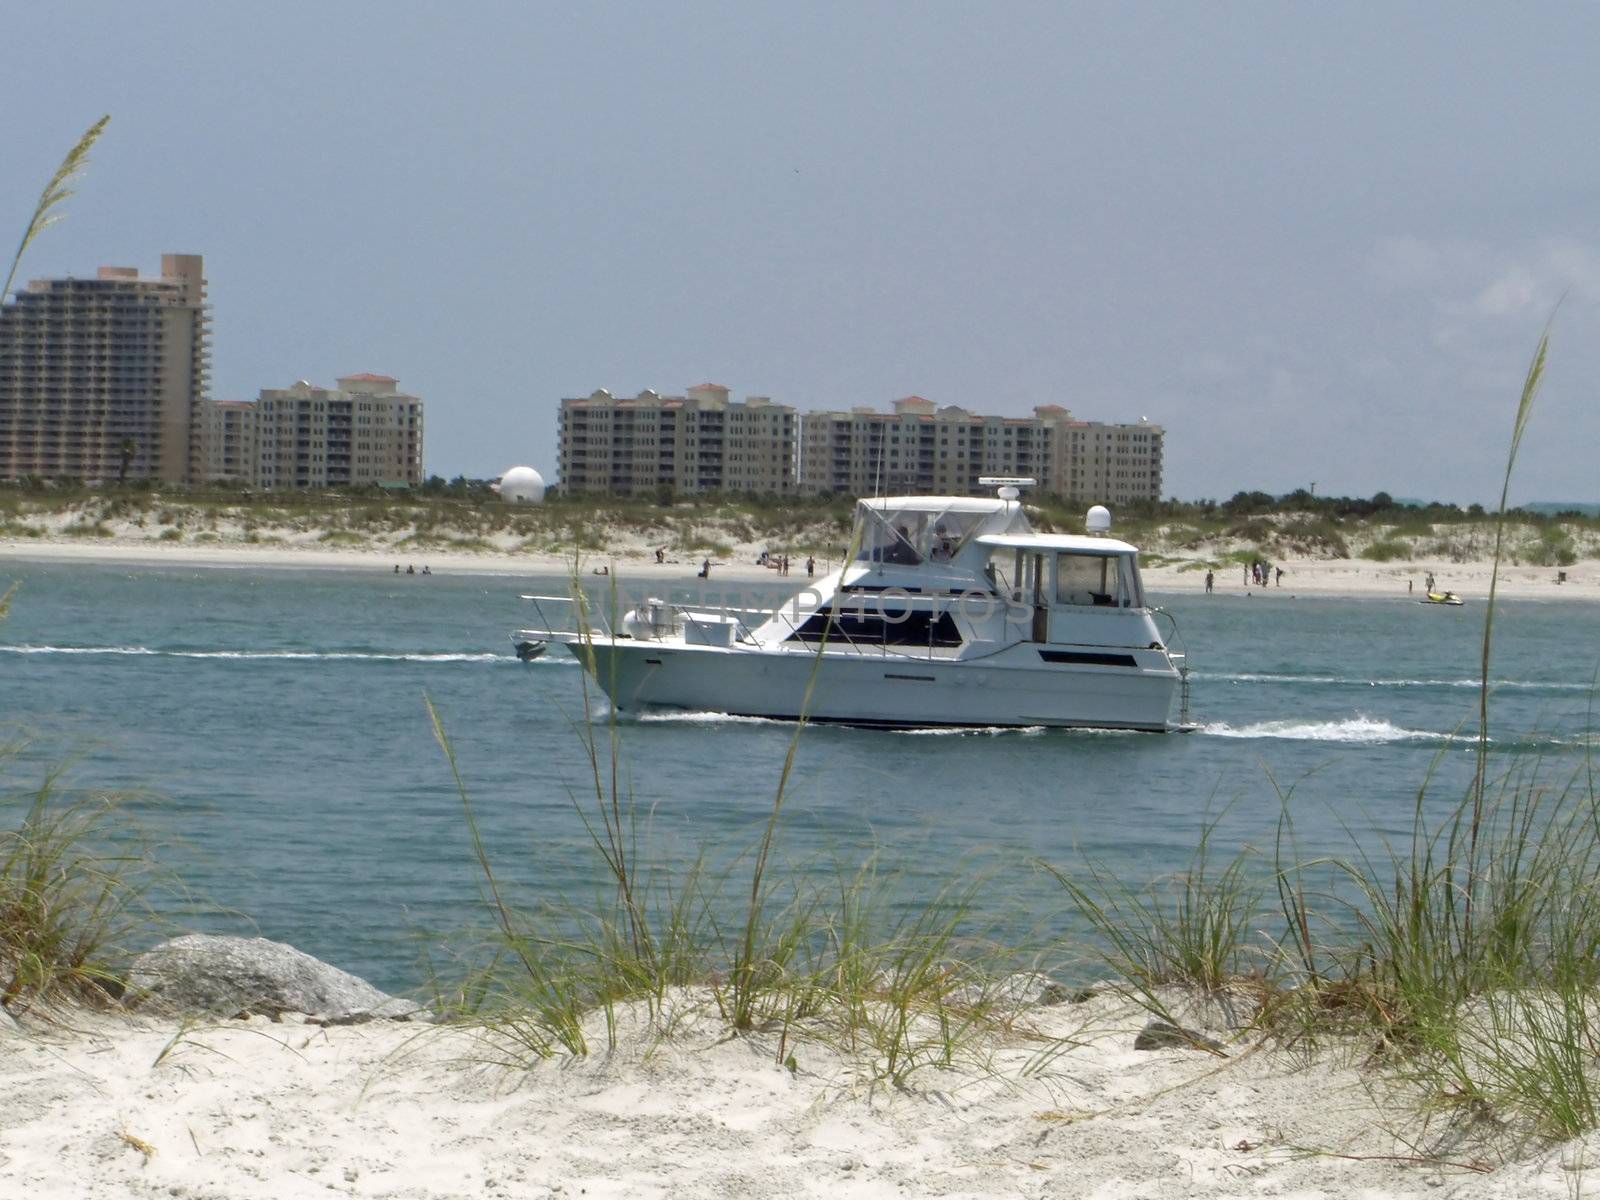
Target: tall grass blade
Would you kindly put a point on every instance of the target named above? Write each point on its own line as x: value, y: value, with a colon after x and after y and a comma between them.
x: 55, y: 193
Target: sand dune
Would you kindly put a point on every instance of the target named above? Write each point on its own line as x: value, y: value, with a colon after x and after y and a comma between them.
x: 117, y: 1107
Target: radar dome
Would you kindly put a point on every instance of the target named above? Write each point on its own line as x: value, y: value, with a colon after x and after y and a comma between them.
x: 1098, y: 519
x: 522, y: 485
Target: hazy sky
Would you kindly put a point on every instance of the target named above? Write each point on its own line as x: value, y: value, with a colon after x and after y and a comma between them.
x: 1316, y: 242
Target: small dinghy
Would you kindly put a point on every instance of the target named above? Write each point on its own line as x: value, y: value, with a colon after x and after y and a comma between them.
x: 528, y: 648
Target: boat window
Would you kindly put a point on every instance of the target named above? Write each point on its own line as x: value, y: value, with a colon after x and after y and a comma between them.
x: 891, y: 538
x: 909, y: 537
x: 890, y: 627
x: 950, y: 533
x: 1090, y: 579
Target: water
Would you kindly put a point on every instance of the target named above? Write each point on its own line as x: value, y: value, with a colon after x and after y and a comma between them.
x: 274, y: 726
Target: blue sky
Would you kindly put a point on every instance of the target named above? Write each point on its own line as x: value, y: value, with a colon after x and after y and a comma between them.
x: 1316, y: 242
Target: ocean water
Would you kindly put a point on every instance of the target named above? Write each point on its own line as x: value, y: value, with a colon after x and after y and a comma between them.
x: 272, y: 727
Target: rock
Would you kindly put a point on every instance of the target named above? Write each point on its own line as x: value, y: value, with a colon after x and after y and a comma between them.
x: 1164, y: 1035
x: 1224, y: 1013
x: 1013, y: 992
x: 201, y: 974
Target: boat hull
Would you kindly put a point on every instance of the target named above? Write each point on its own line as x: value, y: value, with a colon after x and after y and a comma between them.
x: 1014, y: 688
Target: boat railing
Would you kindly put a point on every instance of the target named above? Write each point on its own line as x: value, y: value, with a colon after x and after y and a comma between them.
x: 586, y: 618
x: 580, y: 612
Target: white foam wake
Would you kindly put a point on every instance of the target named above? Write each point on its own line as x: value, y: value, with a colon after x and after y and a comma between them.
x: 274, y: 655
x: 1350, y: 681
x: 663, y: 717
x: 1359, y: 730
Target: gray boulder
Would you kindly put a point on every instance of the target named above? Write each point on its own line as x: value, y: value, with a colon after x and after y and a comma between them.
x: 200, y: 974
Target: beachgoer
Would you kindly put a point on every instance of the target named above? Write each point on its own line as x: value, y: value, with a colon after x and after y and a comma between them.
x: 1210, y: 580
x: 425, y: 570
x: 1410, y: 586
x: 1430, y: 581
x: 410, y: 570
x: 705, y: 569
x: 661, y: 554
x: 397, y: 568
x: 811, y: 567
x: 1279, y: 579
x: 784, y: 570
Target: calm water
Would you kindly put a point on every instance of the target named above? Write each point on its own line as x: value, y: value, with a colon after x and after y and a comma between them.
x: 274, y: 722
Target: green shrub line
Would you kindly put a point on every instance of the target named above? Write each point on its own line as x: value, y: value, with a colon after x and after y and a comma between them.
x: 474, y: 520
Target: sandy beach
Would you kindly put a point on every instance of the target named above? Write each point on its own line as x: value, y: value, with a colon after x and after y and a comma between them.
x: 637, y: 566
x: 115, y: 1106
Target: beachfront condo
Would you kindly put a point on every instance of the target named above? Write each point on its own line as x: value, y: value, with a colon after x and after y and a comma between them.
x: 919, y: 448
x: 103, y: 379
x: 690, y: 444
x: 365, y: 431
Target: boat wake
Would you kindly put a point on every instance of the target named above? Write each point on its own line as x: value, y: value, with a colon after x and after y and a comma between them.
x: 1531, y: 685
x: 1357, y: 730
x: 276, y: 655
x: 702, y: 718
x: 987, y: 731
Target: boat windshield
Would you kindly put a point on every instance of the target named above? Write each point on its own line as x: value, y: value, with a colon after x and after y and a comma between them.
x: 909, y: 537
x: 1097, y: 579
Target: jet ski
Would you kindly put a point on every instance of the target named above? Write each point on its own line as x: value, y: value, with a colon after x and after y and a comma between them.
x: 1449, y: 598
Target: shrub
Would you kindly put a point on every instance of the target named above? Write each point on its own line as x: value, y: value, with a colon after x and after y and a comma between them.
x: 1386, y: 550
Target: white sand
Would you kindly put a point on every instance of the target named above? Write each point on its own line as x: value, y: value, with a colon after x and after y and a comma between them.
x: 1302, y: 577
x: 119, y: 1108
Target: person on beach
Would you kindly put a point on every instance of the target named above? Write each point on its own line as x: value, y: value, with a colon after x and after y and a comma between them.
x: 397, y: 568
x: 661, y: 554
x: 811, y: 566
x: 705, y: 569
x: 425, y: 570
x: 1430, y: 581
x: 1210, y: 580
x: 410, y: 570
x: 1279, y: 579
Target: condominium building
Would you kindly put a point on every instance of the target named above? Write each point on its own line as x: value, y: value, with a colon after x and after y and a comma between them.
x: 232, y: 443
x: 695, y: 443
x: 920, y: 447
x: 104, y: 378
x: 364, y: 431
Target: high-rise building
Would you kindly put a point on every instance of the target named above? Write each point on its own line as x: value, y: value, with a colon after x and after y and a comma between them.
x: 232, y: 443
x: 363, y: 431
x: 922, y: 448
x: 691, y: 444
x: 104, y: 378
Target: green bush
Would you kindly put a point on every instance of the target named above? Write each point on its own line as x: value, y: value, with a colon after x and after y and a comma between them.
x: 1386, y: 550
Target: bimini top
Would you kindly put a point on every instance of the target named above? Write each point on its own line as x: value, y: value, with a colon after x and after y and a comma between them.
x: 957, y: 504
x: 1074, y: 543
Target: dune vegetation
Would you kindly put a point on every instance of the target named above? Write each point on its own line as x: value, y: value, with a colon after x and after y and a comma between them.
x: 467, y: 519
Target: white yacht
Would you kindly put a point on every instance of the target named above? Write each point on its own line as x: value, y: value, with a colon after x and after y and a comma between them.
x: 953, y: 612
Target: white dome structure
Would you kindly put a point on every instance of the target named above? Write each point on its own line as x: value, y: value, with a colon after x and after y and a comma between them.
x: 522, y: 485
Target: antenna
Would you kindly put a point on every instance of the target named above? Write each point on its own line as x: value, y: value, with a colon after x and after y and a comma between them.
x: 1010, y: 485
